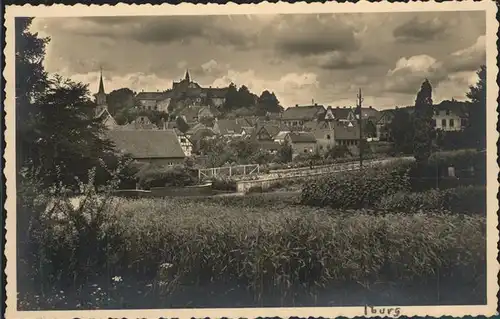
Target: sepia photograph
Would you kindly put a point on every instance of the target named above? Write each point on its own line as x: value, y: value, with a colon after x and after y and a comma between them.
x: 267, y: 157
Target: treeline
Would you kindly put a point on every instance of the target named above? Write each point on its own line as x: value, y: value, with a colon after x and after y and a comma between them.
x: 410, y: 130
x: 241, y: 98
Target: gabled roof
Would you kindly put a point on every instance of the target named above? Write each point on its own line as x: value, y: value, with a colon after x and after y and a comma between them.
x: 147, y: 143
x: 342, y: 113
x: 216, y: 92
x: 346, y: 132
x: 272, y: 130
x: 307, y: 112
x: 456, y: 107
x: 226, y: 126
x: 301, y: 137
x: 281, y: 135
x: 152, y: 95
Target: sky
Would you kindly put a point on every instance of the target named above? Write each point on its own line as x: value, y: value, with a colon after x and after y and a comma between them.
x: 299, y: 57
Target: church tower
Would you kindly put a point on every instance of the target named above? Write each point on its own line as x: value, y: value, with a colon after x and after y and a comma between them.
x: 101, y: 97
x: 187, y: 77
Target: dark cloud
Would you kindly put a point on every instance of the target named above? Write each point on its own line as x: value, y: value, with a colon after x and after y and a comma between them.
x: 310, y: 35
x: 420, y: 30
x: 344, y: 61
x: 166, y: 29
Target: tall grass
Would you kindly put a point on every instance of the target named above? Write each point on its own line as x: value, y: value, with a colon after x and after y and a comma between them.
x: 270, y: 251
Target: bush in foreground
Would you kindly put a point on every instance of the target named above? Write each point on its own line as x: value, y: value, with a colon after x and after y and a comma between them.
x: 357, y: 189
x: 161, y: 176
x: 471, y: 199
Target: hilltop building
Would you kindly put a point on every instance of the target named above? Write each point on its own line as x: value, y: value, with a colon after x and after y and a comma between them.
x: 184, y: 93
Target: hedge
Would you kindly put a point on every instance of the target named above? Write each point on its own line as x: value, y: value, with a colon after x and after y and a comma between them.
x: 161, y: 176
x: 471, y: 199
x: 357, y: 189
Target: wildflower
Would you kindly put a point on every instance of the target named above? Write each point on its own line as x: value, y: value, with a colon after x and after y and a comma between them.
x: 117, y: 278
x: 166, y: 265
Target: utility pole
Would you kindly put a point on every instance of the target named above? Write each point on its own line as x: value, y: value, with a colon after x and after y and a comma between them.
x: 360, y: 123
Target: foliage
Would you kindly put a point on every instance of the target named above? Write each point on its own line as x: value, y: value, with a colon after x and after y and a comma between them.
x: 356, y: 189
x: 452, y: 140
x: 181, y: 124
x: 338, y: 151
x: 161, y: 176
x: 268, y: 102
x: 476, y: 129
x: 121, y: 104
x: 285, y: 153
x: 471, y: 199
x: 423, y: 123
x: 401, y: 131
x: 268, y: 250
x: 224, y: 184
x: 369, y: 129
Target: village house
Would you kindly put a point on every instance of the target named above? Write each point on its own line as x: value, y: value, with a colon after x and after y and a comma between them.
x: 450, y: 116
x: 299, y: 115
x: 140, y: 123
x: 154, y: 101
x: 346, y: 134
x: 324, y: 133
x: 229, y: 127
x: 160, y: 147
x: 382, y: 123
x: 301, y: 142
x: 281, y: 136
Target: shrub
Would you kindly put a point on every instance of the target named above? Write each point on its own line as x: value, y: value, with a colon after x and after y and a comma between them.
x: 224, y: 184
x: 161, y: 176
x: 471, y: 199
x: 356, y: 189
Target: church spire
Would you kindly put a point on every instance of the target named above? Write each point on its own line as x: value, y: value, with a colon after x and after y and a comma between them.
x: 101, y: 84
x: 187, y: 77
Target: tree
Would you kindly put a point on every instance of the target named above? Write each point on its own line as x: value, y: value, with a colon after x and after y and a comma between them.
x: 423, y: 123
x: 369, y: 129
x: 57, y: 134
x: 232, y: 96
x: 476, y: 128
x: 245, y: 97
x: 401, y: 131
x: 121, y: 102
x: 181, y: 124
x: 31, y: 82
x: 268, y: 102
x: 285, y: 153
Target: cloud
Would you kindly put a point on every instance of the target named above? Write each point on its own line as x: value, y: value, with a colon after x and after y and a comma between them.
x: 468, y: 59
x: 338, y: 60
x: 290, y: 88
x: 308, y: 34
x: 409, y: 73
x: 420, y: 30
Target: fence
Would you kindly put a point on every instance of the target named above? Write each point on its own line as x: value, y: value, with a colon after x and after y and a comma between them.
x: 229, y: 171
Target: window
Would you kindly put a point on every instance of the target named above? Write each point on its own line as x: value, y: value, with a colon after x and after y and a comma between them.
x: 443, y: 122
x: 328, y: 137
x: 183, y: 140
x: 305, y: 150
x: 452, y: 122
x: 463, y: 122
x: 437, y: 112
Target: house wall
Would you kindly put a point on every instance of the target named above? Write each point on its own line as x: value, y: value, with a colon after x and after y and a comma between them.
x: 163, y: 105
x: 148, y: 104
x: 186, y: 145
x: 448, y: 120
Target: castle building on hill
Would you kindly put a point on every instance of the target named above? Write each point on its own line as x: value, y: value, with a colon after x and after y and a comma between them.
x: 184, y: 93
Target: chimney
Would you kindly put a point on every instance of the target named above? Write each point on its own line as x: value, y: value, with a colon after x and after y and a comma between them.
x: 370, y: 107
x: 296, y: 105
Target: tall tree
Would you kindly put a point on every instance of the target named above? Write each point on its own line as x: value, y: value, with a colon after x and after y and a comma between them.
x: 423, y: 123
x: 268, y: 102
x: 401, y: 131
x: 121, y: 100
x: 476, y: 128
x: 245, y: 97
x: 31, y: 82
x: 232, y: 97
x: 57, y: 134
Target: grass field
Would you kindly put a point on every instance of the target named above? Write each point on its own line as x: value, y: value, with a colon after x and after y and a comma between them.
x: 266, y: 250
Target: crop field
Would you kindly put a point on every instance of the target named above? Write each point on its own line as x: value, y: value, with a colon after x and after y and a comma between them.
x: 262, y: 250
